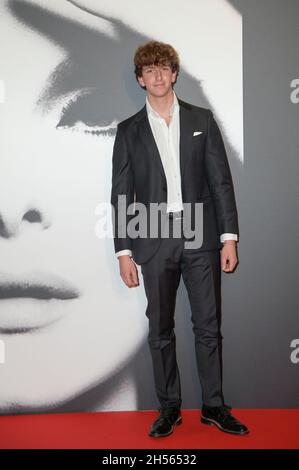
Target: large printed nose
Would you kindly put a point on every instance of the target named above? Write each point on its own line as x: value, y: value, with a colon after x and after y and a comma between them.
x: 14, y: 216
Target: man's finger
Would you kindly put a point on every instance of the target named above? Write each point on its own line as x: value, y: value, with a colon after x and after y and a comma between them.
x: 223, y: 262
x: 134, y: 276
x: 230, y: 264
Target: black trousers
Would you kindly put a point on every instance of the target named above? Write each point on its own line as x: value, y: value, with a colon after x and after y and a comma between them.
x: 201, y: 272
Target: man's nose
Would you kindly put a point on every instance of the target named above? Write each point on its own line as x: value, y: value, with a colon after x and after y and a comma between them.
x: 158, y: 73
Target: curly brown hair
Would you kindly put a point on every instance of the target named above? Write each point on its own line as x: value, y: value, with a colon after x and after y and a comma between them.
x: 156, y: 53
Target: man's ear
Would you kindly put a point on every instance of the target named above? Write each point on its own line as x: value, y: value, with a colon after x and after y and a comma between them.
x: 174, y: 76
x: 141, y: 81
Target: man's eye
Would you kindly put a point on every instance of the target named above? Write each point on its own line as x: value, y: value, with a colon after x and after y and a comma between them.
x: 85, y: 113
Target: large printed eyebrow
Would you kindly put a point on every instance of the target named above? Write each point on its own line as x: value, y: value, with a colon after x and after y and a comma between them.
x: 95, y: 62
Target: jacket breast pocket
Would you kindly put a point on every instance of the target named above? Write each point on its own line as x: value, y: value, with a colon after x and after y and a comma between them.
x: 198, y: 140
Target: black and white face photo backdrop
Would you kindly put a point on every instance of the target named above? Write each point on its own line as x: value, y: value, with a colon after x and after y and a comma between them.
x: 73, y: 336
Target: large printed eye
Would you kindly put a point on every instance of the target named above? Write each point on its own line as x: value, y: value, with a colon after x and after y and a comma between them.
x: 84, y: 113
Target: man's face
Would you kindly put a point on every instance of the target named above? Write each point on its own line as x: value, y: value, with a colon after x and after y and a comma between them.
x: 157, y: 79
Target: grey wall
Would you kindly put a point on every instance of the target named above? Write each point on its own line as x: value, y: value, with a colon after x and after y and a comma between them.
x: 260, y: 300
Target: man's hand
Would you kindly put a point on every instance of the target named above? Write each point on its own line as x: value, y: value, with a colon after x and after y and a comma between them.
x: 128, y: 271
x: 229, y: 257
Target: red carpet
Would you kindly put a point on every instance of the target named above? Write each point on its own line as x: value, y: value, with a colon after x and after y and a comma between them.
x: 269, y: 429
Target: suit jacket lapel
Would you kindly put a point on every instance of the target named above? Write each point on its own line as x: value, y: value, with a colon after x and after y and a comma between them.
x: 186, y: 128
x: 146, y: 135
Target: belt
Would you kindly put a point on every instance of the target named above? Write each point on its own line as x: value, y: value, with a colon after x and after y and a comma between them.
x: 175, y: 215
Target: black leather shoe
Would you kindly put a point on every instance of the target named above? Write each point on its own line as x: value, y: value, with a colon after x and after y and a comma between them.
x: 166, y: 422
x: 221, y: 417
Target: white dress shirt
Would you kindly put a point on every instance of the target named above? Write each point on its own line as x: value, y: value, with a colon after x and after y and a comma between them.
x: 167, y: 138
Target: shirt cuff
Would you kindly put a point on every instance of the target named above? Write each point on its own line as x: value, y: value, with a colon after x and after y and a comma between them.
x: 124, y: 252
x: 228, y: 236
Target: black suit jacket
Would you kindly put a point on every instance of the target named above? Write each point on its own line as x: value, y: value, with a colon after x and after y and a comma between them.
x: 138, y: 173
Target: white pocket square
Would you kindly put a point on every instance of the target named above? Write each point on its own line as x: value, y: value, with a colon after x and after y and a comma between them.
x: 197, y: 133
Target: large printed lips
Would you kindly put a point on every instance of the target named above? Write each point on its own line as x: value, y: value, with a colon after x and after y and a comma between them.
x: 38, y: 286
x: 33, y: 300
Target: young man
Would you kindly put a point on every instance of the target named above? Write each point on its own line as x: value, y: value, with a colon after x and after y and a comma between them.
x: 172, y: 152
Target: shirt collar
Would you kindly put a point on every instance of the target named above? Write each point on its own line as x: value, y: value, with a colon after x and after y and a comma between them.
x: 150, y: 110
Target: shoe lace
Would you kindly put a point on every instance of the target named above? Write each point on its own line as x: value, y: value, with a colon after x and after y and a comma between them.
x: 225, y: 413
